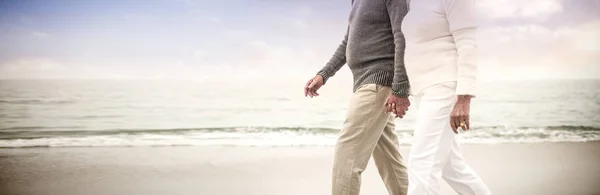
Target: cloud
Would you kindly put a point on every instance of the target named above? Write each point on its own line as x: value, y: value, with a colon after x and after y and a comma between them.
x: 137, y: 17
x: 534, y: 38
x: 40, y: 35
x: 537, y: 51
x: 541, y: 9
x: 529, y: 9
x: 198, y: 54
x: 205, y: 16
x: 213, y: 19
x: 186, y: 2
x: 584, y: 38
x: 259, y: 51
x: 207, y: 39
x: 299, y: 24
x: 31, y: 68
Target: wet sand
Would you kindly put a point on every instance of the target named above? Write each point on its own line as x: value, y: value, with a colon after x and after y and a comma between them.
x: 509, y: 169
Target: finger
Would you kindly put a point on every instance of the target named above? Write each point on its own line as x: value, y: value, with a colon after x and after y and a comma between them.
x: 401, y: 110
x: 468, y: 122
x: 458, y: 122
x: 312, y: 85
x: 306, y: 87
x: 453, y: 124
x: 312, y: 93
x: 399, y: 115
x: 457, y: 125
x: 305, y: 91
x: 463, y: 123
x: 464, y: 120
x: 388, y: 108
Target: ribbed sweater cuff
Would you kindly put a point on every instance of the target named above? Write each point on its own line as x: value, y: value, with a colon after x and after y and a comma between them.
x: 401, y: 89
x: 325, y: 76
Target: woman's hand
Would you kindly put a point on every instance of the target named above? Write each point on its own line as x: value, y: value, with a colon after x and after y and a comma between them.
x: 397, y: 105
x: 460, y: 114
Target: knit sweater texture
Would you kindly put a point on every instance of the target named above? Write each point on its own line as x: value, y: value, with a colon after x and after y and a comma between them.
x: 373, y: 47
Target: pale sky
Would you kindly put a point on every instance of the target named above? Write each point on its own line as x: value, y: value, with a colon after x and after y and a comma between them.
x: 210, y: 39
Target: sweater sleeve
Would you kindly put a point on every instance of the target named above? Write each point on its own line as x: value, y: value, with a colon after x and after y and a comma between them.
x: 397, y: 9
x: 336, y: 62
x: 462, y: 20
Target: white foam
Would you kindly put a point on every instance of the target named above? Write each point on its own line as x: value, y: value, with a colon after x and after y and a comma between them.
x: 287, y: 138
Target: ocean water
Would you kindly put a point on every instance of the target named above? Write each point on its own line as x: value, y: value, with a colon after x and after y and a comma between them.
x: 130, y: 113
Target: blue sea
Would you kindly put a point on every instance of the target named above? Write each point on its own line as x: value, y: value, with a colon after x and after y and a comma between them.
x: 135, y: 113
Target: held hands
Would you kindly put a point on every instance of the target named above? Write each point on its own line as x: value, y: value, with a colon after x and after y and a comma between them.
x: 397, y: 105
x: 311, y: 87
x: 460, y: 114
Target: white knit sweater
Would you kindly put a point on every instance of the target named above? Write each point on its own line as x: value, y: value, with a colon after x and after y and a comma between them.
x: 441, y: 44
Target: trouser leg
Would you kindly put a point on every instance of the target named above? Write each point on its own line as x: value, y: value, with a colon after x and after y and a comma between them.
x: 459, y: 175
x: 365, y: 120
x: 432, y: 140
x: 435, y: 152
x: 389, y: 162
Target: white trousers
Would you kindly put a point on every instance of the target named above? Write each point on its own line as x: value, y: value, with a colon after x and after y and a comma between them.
x: 435, y: 154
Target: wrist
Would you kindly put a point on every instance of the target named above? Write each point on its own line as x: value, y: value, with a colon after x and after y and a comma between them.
x: 324, y: 76
x: 400, y: 94
x: 401, y: 89
x: 321, y: 76
x: 464, y: 98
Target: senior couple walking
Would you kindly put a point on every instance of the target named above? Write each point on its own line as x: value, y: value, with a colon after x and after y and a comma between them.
x: 395, y: 49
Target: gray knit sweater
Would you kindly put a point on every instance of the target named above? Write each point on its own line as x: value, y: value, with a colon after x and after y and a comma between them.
x: 373, y: 46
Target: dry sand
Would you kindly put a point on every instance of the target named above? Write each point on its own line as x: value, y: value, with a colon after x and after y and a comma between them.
x: 509, y: 169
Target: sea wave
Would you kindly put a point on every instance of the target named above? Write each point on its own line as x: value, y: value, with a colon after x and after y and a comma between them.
x: 36, y: 101
x: 270, y: 136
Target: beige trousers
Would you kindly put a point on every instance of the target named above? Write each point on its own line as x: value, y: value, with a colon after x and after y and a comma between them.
x: 368, y: 130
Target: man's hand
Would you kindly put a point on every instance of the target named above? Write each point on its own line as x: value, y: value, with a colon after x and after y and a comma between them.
x: 460, y: 114
x: 311, y: 87
x: 397, y: 105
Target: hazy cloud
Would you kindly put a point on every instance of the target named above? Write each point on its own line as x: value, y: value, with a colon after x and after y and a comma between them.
x: 201, y: 39
x: 40, y: 35
x: 531, y: 9
x: 31, y: 68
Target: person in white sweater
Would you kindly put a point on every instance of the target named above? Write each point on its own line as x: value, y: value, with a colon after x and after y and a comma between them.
x: 440, y: 61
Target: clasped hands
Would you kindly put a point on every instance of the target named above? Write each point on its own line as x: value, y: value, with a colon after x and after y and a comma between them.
x: 397, y: 105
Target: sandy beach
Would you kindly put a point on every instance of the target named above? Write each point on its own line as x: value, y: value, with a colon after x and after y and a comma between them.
x: 509, y: 169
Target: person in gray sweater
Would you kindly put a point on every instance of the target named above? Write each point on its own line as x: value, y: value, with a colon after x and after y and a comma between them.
x: 373, y: 49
